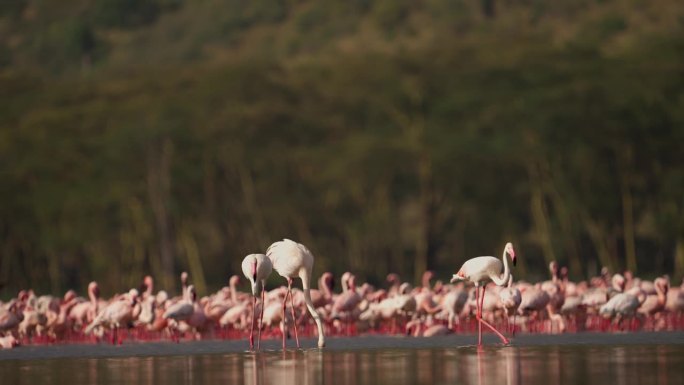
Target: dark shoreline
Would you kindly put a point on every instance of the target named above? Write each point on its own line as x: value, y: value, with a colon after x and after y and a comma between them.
x: 149, y: 349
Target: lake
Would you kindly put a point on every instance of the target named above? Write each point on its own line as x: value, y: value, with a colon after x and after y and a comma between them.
x: 583, y: 358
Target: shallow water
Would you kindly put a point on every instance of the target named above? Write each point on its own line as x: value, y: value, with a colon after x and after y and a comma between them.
x: 529, y: 364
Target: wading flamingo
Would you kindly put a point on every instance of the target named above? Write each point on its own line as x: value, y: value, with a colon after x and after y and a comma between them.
x: 291, y: 260
x: 510, y: 298
x: 257, y: 268
x: 119, y: 313
x: 481, y: 270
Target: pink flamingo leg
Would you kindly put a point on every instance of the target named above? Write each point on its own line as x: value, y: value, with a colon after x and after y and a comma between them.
x: 482, y: 321
x: 294, y: 318
x: 284, y: 324
x: 261, y: 319
x: 477, y: 315
x: 251, y: 330
x: 513, y: 327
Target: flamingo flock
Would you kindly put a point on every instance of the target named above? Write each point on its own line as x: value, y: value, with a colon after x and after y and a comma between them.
x: 609, y: 302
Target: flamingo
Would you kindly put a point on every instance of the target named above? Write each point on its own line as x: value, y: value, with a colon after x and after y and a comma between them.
x: 347, y: 302
x: 223, y: 300
x: 118, y: 313
x: 534, y: 301
x: 84, y: 312
x: 453, y: 303
x: 395, y: 283
x: 187, y: 310
x: 656, y: 303
x: 622, y: 305
x: 481, y: 270
x: 11, y: 316
x: 675, y: 299
x: 257, y: 268
x: 291, y: 259
x: 425, y: 303
x: 323, y: 296
x: 510, y: 298
x: 33, y: 323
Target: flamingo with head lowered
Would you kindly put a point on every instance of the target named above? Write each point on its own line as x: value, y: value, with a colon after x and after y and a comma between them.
x: 293, y: 260
x: 257, y: 268
x: 481, y: 270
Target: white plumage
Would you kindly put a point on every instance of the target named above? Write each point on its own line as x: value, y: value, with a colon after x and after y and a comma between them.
x: 622, y: 304
x: 257, y: 268
x: 291, y: 260
x: 481, y: 270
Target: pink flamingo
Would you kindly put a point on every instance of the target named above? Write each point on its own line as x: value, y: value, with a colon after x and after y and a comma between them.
x: 510, y: 298
x: 656, y: 303
x: 675, y: 299
x: 534, y: 300
x: 291, y: 259
x: 257, y: 268
x: 479, y: 271
x: 147, y: 302
x: 347, y: 302
x: 223, y: 300
x: 85, y: 312
x: 118, y: 313
x: 425, y: 303
x: 323, y: 296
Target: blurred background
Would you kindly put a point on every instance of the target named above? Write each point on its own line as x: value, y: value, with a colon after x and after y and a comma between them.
x: 154, y: 136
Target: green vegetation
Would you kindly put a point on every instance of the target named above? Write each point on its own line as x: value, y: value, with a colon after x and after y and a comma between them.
x: 153, y: 136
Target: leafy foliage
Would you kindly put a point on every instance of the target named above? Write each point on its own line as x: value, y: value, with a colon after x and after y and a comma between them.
x: 387, y: 136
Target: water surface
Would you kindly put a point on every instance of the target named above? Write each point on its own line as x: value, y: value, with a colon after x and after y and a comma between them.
x: 407, y: 361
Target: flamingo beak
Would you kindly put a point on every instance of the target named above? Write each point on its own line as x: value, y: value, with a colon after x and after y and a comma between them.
x: 511, y: 252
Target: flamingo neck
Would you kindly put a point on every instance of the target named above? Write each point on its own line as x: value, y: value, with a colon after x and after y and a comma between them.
x: 233, y: 292
x: 662, y: 296
x: 426, y: 281
x: 503, y: 280
x: 324, y: 287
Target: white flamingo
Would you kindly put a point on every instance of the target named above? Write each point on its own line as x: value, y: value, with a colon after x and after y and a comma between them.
x: 291, y: 260
x: 257, y: 268
x: 186, y: 314
x: 623, y: 305
x: 481, y: 270
x: 118, y: 313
